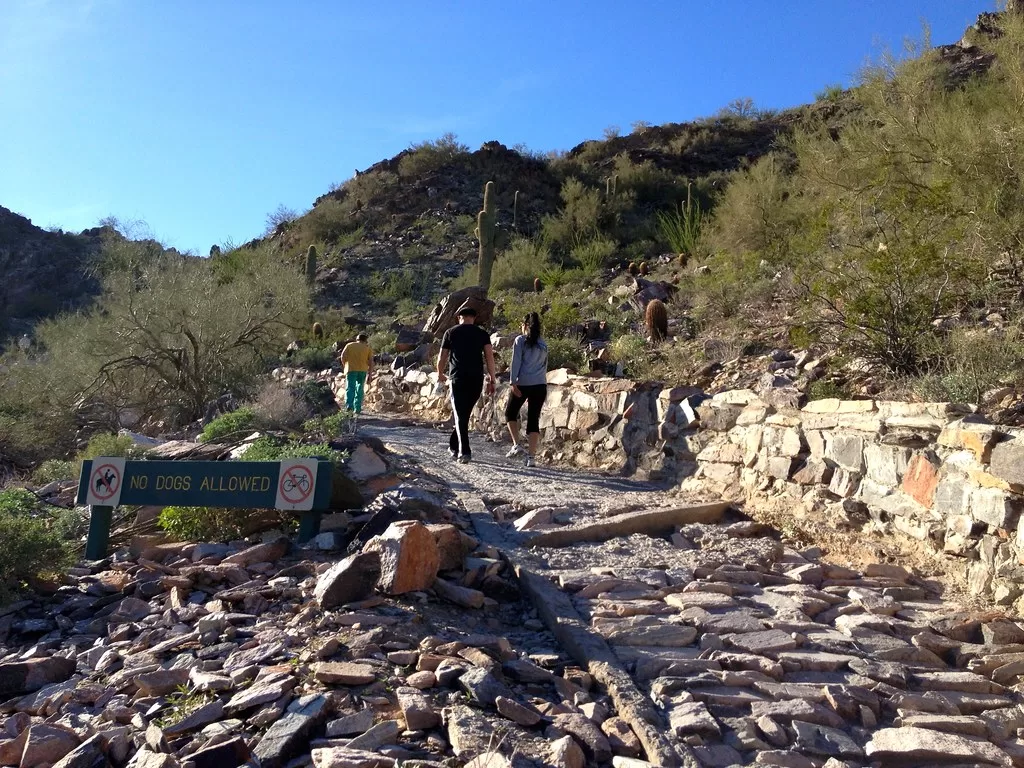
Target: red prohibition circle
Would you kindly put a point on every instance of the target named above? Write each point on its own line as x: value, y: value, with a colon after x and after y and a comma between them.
x: 302, y: 496
x: 100, y: 479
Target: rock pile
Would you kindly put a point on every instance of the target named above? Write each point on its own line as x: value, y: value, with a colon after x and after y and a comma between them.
x: 758, y: 654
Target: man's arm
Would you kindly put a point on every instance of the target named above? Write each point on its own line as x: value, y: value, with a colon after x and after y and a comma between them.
x: 369, y: 363
x: 442, y: 364
x: 491, y: 377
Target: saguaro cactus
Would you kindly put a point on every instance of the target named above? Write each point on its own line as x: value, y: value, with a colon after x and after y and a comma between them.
x: 311, y: 264
x: 656, y: 320
x: 485, y: 221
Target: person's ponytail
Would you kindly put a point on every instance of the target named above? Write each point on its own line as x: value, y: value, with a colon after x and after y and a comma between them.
x: 532, y: 323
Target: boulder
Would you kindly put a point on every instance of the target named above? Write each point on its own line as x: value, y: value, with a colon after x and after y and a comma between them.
x: 348, y: 581
x: 409, y: 557
x: 443, y: 315
x: 22, y: 677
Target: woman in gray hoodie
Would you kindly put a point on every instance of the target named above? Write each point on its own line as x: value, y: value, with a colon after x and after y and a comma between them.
x: 529, y: 385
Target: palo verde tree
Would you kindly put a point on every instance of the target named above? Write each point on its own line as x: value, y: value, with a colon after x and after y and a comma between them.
x: 171, y: 333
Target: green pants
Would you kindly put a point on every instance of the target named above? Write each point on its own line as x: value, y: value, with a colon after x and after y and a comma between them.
x: 354, y: 393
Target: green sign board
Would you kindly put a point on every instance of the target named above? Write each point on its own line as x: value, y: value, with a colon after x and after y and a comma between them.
x: 301, y: 485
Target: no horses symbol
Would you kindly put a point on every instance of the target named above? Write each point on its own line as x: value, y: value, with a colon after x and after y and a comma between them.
x: 105, y: 482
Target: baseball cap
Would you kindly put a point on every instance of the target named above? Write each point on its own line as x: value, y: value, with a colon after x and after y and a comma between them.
x: 465, y: 309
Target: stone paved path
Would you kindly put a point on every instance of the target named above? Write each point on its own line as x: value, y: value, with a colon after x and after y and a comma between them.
x: 755, y: 653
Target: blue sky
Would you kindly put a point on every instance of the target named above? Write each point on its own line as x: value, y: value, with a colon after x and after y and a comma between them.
x: 201, y: 116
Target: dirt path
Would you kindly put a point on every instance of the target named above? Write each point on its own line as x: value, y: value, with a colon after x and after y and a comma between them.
x: 492, y: 476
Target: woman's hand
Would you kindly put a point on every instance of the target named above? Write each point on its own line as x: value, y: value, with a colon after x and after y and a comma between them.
x: 515, y: 391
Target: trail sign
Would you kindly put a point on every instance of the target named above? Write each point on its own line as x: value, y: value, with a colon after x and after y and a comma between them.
x: 105, y: 482
x: 301, y: 485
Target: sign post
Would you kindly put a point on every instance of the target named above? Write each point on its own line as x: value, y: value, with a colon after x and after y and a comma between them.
x: 300, y: 485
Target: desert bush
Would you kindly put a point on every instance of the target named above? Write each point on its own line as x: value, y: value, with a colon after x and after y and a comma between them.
x: 317, y: 396
x: 312, y: 357
x: 232, y: 425
x: 278, y: 406
x: 517, y: 266
x: 383, y: 341
x: 594, y: 255
x: 185, y: 335
x: 566, y: 353
x: 32, y: 545
x: 648, y: 182
x: 327, y: 427
x: 280, y: 215
x: 108, y: 444
x: 824, y: 389
x: 579, y: 219
x: 968, y: 363
x: 204, y: 523
x: 405, y: 283
x: 54, y: 469
x: 633, y: 352
x: 270, y: 449
x: 329, y: 220
x: 430, y: 156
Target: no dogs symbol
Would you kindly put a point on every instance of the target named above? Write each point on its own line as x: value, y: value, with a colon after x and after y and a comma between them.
x: 296, y: 484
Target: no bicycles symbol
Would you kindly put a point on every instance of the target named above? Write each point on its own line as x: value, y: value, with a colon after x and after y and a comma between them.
x: 105, y: 482
x: 296, y: 484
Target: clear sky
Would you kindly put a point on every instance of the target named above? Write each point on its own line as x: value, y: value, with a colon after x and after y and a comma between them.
x: 202, y: 116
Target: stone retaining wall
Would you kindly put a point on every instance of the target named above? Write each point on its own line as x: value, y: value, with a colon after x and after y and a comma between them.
x: 616, y: 425
x: 933, y: 471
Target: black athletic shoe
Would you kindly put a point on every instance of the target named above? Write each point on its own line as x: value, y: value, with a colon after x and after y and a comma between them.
x: 464, y: 459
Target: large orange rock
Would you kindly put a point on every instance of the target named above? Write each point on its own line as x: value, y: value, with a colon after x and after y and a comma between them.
x: 921, y: 479
x: 409, y: 557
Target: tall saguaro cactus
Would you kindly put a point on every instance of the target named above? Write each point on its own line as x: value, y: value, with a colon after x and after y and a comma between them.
x: 311, y: 264
x: 485, y: 228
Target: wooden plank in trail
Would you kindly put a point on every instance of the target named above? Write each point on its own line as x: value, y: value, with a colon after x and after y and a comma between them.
x: 589, y: 649
x: 652, y: 522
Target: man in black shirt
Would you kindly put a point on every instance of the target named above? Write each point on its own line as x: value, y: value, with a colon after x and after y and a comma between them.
x: 464, y: 349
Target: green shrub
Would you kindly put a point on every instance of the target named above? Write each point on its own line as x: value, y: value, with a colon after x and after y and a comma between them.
x: 327, y: 427
x: 269, y: 449
x: 109, y: 444
x: 594, y: 255
x: 32, y: 545
x: 54, y: 469
x: 405, y: 283
x: 204, y: 523
x: 824, y: 389
x: 383, y: 341
x: 311, y: 357
x: 329, y: 221
x: 566, y: 353
x: 968, y: 363
x: 234, y: 424
x: 633, y: 352
x: 430, y: 156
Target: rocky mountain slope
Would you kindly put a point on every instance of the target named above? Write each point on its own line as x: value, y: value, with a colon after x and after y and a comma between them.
x: 44, y: 272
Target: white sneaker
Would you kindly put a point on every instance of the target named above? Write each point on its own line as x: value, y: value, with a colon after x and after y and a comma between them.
x: 529, y: 461
x: 514, y: 451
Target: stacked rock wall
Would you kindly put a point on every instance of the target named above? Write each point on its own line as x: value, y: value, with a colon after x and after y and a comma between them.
x: 932, y: 471
x: 616, y: 425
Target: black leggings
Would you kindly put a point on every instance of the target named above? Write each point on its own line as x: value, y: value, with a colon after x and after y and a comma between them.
x: 464, y: 393
x: 534, y: 396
